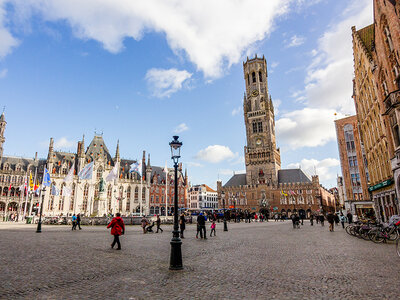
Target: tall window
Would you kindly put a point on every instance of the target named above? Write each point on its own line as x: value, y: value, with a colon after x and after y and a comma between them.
x: 136, y: 195
x: 99, y: 172
x: 72, y: 198
x: 128, y: 199
x: 253, y: 75
x: 254, y: 127
x: 260, y: 76
x: 85, y: 197
x: 260, y: 127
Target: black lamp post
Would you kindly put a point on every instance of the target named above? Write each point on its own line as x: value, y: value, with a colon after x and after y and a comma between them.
x: 39, y: 225
x: 175, y: 262
x: 223, y: 204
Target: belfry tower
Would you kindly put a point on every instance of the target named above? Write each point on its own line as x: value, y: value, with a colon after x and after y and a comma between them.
x: 262, y: 158
x: 3, y: 124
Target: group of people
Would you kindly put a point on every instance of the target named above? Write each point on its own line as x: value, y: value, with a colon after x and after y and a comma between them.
x: 76, y: 221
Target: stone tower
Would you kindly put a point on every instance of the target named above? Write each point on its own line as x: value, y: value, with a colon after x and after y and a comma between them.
x: 3, y: 124
x: 262, y: 158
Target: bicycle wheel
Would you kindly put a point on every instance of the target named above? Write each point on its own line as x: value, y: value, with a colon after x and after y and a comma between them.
x: 348, y: 229
x: 393, y: 235
x: 376, y: 237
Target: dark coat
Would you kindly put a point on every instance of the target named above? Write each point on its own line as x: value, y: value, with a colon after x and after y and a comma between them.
x: 182, y: 222
x: 330, y: 218
x: 117, y: 226
x: 201, y: 220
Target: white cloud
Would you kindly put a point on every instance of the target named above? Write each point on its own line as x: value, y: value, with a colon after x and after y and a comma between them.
x: 225, y: 172
x: 236, y: 110
x: 181, y: 128
x: 163, y: 82
x: 296, y: 41
x: 329, y: 77
x: 7, y: 41
x: 215, y: 154
x: 63, y: 143
x: 274, y: 64
x: 276, y: 103
x: 325, y: 169
x: 3, y: 73
x: 307, y: 127
x: 211, y: 34
x: 193, y: 164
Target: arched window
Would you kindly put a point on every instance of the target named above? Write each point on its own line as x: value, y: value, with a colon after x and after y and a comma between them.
x: 128, y: 199
x: 144, y: 194
x: 85, y: 198
x: 120, y: 197
x: 18, y: 168
x: 5, y: 191
x: 97, y: 190
x: 72, y: 201
x: 12, y: 192
x: 260, y: 76
x: 248, y: 79
x: 6, y: 167
x: 109, y: 197
x: 99, y: 172
x: 136, y: 195
x: 253, y: 75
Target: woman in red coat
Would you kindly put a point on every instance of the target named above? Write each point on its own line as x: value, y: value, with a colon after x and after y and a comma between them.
x: 117, y: 228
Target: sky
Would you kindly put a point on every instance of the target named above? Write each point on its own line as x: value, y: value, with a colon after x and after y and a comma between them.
x: 142, y: 71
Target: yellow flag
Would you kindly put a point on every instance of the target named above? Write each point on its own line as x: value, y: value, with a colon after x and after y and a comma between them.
x: 30, y: 182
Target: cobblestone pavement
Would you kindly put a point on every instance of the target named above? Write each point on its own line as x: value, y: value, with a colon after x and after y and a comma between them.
x: 253, y: 261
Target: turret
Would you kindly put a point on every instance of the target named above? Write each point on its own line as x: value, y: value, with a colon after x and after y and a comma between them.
x: 3, y: 124
x: 81, y: 154
x: 148, y: 170
x: 117, y: 157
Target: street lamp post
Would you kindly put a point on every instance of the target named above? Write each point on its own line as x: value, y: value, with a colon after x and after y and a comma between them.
x: 176, y: 242
x: 223, y: 203
x: 39, y: 225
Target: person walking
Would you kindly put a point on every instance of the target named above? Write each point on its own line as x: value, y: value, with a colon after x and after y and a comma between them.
x: 337, y: 219
x: 213, y: 225
x: 144, y: 224
x: 276, y: 217
x: 158, y: 222
x: 349, y: 217
x: 78, y: 221
x: 73, y: 222
x: 201, y: 221
x: 331, y: 220
x: 182, y: 224
x: 322, y: 219
x: 117, y: 228
x: 312, y: 220
x: 317, y: 219
x: 342, y: 219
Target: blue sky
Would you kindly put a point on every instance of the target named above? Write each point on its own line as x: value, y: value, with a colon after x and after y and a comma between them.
x: 142, y: 71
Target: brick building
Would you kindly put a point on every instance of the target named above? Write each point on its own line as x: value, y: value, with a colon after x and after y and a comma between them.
x: 354, y: 166
x: 265, y: 187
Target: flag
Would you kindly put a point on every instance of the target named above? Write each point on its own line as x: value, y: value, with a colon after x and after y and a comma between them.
x: 86, y: 172
x: 54, y: 190
x: 113, y: 174
x: 136, y: 167
x: 46, y: 178
x: 30, y: 182
x: 21, y: 187
x: 36, y: 186
x: 37, y: 192
x: 67, y: 191
x: 70, y: 175
x: 283, y: 193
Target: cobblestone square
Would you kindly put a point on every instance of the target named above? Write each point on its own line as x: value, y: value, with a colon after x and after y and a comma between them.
x: 254, y: 261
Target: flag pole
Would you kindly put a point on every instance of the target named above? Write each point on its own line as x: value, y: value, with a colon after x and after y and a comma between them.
x: 141, y: 196
x: 166, y: 189
x: 26, y: 196
x: 30, y: 208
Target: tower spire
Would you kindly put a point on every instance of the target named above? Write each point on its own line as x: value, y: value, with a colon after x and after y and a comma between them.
x: 3, y: 124
x: 117, y: 151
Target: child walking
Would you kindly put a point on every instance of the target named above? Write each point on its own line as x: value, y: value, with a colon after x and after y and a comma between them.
x: 213, y: 228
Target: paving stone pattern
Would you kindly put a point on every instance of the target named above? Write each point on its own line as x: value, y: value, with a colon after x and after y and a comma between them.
x: 252, y: 261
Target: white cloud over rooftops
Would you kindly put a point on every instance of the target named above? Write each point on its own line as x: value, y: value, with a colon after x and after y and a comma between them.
x: 215, y: 154
x: 163, y: 83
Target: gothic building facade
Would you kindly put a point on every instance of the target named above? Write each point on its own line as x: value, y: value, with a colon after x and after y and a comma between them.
x: 265, y: 187
x: 129, y: 193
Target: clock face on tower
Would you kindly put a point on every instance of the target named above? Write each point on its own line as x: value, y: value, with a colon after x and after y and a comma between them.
x: 258, y: 141
x: 254, y: 93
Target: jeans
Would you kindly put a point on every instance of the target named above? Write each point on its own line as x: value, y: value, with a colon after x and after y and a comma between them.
x: 203, y: 231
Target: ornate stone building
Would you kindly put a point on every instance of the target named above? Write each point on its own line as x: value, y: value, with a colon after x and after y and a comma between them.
x: 265, y: 187
x: 80, y: 196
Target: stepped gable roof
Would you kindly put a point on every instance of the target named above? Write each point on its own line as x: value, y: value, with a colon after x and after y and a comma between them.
x: 293, y: 176
x: 13, y: 161
x: 366, y: 36
x: 236, y: 180
x: 159, y: 172
x: 98, y: 148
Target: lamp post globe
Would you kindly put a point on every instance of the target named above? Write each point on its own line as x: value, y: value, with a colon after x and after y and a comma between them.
x: 176, y: 242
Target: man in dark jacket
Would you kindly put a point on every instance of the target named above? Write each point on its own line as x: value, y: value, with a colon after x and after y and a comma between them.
x: 331, y: 220
x: 201, y: 222
x: 78, y: 221
x: 349, y: 217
